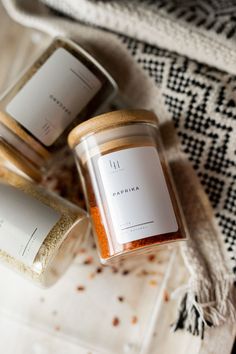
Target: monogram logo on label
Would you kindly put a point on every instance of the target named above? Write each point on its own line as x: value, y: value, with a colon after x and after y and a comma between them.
x: 115, y: 165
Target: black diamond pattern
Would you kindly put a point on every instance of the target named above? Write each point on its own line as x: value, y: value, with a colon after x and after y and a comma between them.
x: 202, y: 103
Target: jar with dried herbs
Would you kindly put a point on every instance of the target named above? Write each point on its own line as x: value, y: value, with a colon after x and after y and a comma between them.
x: 61, y: 89
x: 39, y: 231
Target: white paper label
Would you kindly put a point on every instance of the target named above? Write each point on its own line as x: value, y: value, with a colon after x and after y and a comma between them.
x: 54, y: 96
x: 24, y: 223
x: 136, y: 194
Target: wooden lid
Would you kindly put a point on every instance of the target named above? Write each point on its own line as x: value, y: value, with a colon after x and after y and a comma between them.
x: 109, y: 120
x: 14, y: 127
x: 8, y: 154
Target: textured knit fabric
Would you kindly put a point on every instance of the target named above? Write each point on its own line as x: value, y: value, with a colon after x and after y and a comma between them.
x: 199, y: 100
x: 202, y: 30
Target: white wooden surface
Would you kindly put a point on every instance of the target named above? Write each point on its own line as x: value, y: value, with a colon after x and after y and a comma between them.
x: 18, y: 47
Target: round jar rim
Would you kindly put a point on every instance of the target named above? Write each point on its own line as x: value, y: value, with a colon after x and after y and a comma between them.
x: 110, y: 120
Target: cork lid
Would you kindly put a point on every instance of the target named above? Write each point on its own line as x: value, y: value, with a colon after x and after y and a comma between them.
x: 109, y: 120
x: 10, y: 156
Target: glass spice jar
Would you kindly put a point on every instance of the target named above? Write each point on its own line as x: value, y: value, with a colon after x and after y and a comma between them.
x: 127, y: 184
x: 63, y: 87
x: 39, y: 231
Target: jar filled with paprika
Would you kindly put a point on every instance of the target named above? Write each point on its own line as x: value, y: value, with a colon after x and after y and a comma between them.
x: 128, y: 187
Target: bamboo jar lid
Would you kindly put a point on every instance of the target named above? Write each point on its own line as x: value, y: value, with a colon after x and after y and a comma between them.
x: 109, y: 120
x: 14, y: 127
x: 8, y: 155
